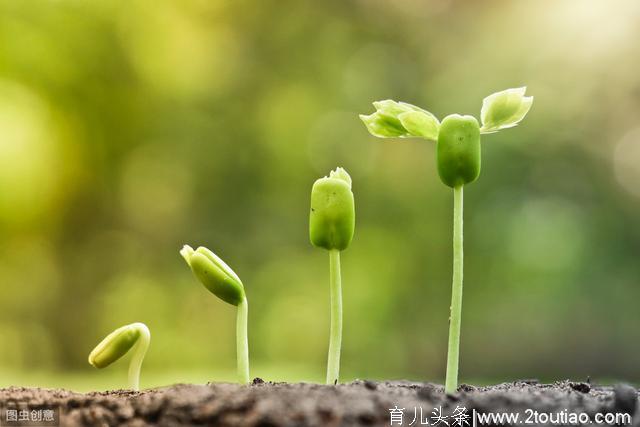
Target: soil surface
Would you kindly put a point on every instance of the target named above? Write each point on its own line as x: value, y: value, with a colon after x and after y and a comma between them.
x: 360, y: 403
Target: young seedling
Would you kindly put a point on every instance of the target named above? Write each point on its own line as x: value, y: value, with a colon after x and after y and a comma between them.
x: 117, y: 344
x: 331, y: 225
x: 458, y: 160
x: 224, y: 283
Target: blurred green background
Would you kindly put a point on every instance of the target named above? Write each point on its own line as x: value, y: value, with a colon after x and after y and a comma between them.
x: 130, y: 128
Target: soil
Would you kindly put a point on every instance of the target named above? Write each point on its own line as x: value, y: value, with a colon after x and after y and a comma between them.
x: 360, y: 403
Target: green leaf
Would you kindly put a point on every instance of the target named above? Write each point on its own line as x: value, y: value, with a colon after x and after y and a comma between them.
x: 505, y: 109
x: 383, y: 126
x: 400, y: 120
x: 421, y: 124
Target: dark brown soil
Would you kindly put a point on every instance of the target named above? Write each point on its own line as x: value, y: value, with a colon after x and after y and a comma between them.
x: 361, y: 403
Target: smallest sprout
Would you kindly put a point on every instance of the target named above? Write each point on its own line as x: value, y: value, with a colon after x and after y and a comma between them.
x: 117, y: 344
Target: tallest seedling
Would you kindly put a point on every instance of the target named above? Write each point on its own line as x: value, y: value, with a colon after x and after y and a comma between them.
x: 458, y: 158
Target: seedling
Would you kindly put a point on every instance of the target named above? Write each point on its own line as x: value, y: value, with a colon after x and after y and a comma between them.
x: 331, y: 225
x: 117, y: 344
x: 458, y: 162
x: 224, y: 283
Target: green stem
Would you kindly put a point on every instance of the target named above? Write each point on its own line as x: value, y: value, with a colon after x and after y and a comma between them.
x: 335, y: 340
x: 451, y: 383
x: 138, y: 356
x: 242, y: 342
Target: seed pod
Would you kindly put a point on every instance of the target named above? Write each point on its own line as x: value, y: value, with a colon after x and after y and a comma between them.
x: 214, y: 274
x: 458, y: 150
x: 332, y: 217
x: 115, y: 345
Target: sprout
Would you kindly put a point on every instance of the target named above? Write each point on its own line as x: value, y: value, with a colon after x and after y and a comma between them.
x: 458, y: 161
x: 117, y: 344
x: 331, y: 226
x: 224, y: 283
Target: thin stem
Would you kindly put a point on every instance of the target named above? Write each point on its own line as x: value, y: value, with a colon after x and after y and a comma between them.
x: 139, y: 351
x: 335, y: 340
x: 451, y: 383
x: 242, y: 342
